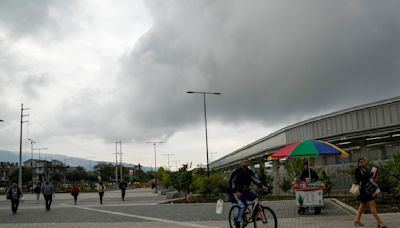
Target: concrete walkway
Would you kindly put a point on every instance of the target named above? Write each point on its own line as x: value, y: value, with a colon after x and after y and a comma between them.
x: 141, y: 210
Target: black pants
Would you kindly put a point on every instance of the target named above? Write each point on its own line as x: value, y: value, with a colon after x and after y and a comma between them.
x: 14, y: 205
x: 101, y: 194
x: 75, y: 197
x: 48, y: 199
x: 123, y: 194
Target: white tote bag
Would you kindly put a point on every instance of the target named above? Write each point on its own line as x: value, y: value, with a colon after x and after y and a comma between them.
x: 220, y: 207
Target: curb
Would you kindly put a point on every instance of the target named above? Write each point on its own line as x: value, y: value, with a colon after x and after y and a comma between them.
x: 170, y: 200
x: 344, y: 206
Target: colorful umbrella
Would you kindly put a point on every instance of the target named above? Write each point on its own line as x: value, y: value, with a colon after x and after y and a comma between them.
x: 309, y: 148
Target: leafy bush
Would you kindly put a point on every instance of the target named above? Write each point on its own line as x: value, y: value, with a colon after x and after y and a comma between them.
x: 286, y: 185
x: 326, y: 180
x: 182, y: 179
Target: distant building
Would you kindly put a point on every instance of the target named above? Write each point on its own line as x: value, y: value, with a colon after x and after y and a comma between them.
x: 42, y: 169
x: 6, y: 168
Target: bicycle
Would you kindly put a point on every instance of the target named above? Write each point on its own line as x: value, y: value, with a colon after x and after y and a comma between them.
x: 259, y: 215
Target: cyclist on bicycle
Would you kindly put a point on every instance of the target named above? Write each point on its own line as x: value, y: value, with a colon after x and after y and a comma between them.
x: 239, y: 184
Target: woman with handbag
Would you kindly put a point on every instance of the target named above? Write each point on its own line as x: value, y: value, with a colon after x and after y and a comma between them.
x: 363, y: 177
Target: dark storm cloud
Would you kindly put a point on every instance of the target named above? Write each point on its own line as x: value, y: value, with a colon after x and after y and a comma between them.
x: 274, y: 62
x: 271, y: 60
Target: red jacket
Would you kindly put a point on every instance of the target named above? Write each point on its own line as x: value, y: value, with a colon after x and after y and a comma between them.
x: 75, y: 190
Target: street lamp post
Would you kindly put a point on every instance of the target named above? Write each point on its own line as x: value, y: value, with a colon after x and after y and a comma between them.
x: 155, y: 162
x: 32, y: 142
x: 205, y: 122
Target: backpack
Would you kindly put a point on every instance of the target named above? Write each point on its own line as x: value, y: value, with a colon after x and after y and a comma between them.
x: 47, y: 189
x: 14, y: 194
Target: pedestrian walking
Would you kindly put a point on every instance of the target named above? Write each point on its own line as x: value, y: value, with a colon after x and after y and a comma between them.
x: 123, y: 185
x: 101, y: 188
x: 75, y: 191
x: 36, y: 190
x: 48, y: 192
x: 363, y: 178
x: 14, y: 194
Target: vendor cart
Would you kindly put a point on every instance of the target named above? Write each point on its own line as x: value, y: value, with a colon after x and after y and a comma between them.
x: 309, y: 197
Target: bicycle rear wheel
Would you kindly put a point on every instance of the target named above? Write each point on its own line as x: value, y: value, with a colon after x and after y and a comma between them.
x: 265, y: 217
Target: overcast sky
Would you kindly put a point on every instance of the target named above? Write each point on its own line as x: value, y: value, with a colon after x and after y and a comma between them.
x: 93, y: 72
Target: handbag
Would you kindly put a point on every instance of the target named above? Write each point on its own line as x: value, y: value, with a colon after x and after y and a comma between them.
x: 355, y: 189
x: 371, y: 187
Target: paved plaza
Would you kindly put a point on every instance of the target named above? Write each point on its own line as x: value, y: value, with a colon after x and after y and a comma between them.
x: 142, y: 209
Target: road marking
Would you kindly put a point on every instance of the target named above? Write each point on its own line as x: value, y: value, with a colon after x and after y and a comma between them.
x: 186, y: 224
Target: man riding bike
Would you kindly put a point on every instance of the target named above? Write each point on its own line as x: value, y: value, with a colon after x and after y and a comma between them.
x: 239, y: 184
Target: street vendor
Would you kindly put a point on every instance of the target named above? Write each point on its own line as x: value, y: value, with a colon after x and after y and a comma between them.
x: 306, y: 173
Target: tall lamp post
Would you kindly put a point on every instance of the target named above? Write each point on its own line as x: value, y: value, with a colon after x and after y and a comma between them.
x: 205, y: 122
x: 32, y: 142
x: 155, y: 161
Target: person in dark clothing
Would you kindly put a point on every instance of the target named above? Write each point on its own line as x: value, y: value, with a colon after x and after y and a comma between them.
x: 239, y: 184
x: 122, y: 186
x: 14, y: 194
x: 48, y: 192
x: 362, y: 177
x: 306, y: 173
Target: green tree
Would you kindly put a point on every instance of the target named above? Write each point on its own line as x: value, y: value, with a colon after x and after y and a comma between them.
x: 326, y: 179
x: 105, y: 170
x: 182, y: 179
x: 26, y: 175
x: 77, y: 174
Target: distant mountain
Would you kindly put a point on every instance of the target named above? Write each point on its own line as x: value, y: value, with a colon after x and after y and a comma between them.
x: 10, y: 156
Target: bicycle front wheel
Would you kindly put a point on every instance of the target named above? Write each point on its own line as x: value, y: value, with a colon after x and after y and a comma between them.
x: 265, y: 217
x: 232, y: 215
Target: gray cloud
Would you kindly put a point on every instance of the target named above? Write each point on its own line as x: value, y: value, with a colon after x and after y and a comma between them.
x: 44, y: 19
x: 274, y: 62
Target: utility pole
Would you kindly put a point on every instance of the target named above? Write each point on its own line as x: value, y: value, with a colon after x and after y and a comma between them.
x: 211, y: 157
x: 168, y: 159
x: 20, y: 147
x: 120, y: 160
x: 116, y: 162
x: 176, y: 164
x: 155, y: 162
x: 39, y: 149
x: 90, y: 164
